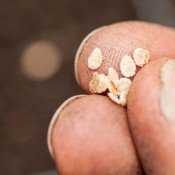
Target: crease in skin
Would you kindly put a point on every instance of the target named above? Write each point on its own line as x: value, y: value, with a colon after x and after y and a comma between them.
x: 166, y: 105
x: 54, y: 119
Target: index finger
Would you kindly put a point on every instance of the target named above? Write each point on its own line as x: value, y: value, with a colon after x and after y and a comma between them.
x: 121, y: 39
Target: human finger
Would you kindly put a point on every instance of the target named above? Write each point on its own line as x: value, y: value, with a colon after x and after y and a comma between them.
x: 151, y: 115
x: 91, y: 136
x: 116, y: 40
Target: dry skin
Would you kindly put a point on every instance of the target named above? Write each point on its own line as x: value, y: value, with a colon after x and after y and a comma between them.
x: 95, y: 59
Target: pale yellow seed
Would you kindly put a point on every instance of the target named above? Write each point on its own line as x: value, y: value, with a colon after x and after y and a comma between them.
x: 123, y: 98
x: 141, y: 56
x: 99, y: 83
x: 127, y: 66
x: 113, y: 76
x: 114, y: 98
x: 95, y: 59
x: 124, y: 84
x: 112, y: 89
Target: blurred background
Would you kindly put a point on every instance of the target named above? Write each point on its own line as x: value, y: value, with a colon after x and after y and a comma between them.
x: 38, y: 42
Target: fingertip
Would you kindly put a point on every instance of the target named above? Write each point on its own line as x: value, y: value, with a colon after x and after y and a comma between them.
x: 92, y: 136
x: 54, y: 120
x: 150, y: 109
x: 78, y: 53
x: 120, y: 39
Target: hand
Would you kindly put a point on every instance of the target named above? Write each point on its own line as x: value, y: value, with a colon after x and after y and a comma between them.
x: 91, y: 135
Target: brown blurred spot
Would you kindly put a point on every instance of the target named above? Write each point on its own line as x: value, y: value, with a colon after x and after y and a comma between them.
x: 41, y: 60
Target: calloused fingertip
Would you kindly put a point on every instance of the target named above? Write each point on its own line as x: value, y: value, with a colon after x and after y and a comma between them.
x: 80, y: 50
x: 54, y: 119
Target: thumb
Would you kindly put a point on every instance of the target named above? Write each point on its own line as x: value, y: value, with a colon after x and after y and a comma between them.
x: 151, y: 114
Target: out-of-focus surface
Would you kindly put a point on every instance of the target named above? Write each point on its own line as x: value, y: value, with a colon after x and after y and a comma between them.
x: 38, y: 42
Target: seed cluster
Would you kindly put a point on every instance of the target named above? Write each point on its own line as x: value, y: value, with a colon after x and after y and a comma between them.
x: 117, y: 88
x: 98, y: 84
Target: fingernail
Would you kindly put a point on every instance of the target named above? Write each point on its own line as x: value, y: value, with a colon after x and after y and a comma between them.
x: 54, y: 120
x: 167, y: 92
x: 80, y: 50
